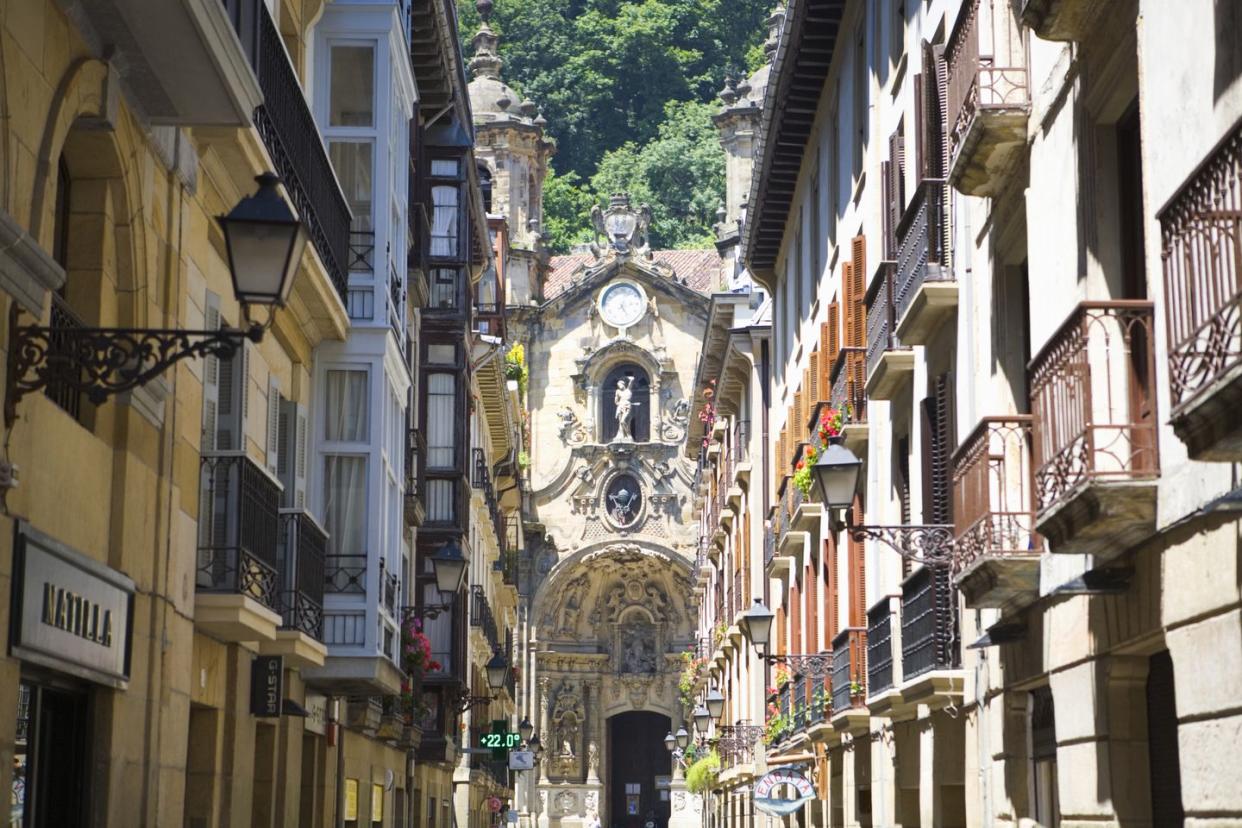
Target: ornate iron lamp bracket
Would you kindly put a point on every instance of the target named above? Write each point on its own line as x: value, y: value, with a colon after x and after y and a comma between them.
x: 810, y: 665
x: 101, y: 362
x: 930, y: 545
x: 462, y: 700
x: 425, y: 611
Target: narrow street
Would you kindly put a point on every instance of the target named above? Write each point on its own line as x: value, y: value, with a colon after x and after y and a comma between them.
x: 621, y: 413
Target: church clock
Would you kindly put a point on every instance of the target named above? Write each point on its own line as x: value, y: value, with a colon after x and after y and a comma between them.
x: 622, y: 304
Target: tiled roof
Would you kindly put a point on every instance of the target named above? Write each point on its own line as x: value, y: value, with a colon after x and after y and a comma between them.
x: 699, y: 269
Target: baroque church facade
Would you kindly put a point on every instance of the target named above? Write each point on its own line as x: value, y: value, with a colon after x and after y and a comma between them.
x: 612, y: 335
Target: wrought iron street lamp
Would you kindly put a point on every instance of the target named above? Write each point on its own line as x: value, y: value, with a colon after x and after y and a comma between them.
x: 715, y: 703
x: 264, y: 242
x: 835, y: 474
x: 702, y: 720
x: 683, y: 738
x: 497, y: 671
x: 449, y: 565
x: 670, y: 742
x: 525, y: 729
x: 756, y: 624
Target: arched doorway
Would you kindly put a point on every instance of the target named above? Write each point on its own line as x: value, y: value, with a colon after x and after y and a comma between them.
x: 636, y: 757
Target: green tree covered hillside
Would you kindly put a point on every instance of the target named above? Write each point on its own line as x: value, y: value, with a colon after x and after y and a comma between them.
x: 628, y: 88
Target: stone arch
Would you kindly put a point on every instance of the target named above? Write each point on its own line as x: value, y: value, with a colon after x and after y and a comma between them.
x: 105, y: 276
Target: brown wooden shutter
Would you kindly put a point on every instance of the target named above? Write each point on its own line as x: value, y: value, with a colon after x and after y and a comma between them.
x: 888, y: 229
x: 816, y: 386
x: 795, y: 617
x: 833, y: 604
x: 795, y: 413
x: 812, y: 609
x: 781, y: 630
x: 897, y: 180
x: 857, y: 565
x: 849, y: 302
x: 922, y: 130
x: 858, y: 279
x: 831, y: 337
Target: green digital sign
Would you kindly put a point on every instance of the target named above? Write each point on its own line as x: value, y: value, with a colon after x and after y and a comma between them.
x: 500, y: 740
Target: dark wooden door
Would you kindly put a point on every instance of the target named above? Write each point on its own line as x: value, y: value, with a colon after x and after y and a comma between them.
x: 636, y: 756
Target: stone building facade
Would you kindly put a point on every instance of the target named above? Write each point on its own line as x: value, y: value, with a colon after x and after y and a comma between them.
x: 999, y: 254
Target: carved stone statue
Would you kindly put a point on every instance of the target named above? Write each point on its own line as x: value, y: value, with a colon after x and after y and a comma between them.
x: 676, y: 421
x: 593, y: 758
x: 571, y: 429
x: 623, y: 501
x: 623, y: 398
x: 638, y: 649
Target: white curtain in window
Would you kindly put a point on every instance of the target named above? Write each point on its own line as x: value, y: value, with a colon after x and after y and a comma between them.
x: 345, y: 504
x: 439, y: 630
x: 347, y: 412
x: 441, y: 419
x: 444, y: 221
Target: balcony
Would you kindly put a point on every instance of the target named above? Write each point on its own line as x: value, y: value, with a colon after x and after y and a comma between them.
x: 930, y: 655
x: 183, y: 63
x: 1094, y: 430
x: 880, y: 657
x: 995, y: 549
x: 289, y: 132
x: 1061, y: 19
x: 741, y: 453
x: 924, y: 290
x: 300, y: 557
x: 849, y: 679
x: 482, y: 480
x: 988, y: 96
x: 890, y: 363
x: 237, y: 580
x: 1202, y: 246
x: 482, y: 619
x: 849, y: 396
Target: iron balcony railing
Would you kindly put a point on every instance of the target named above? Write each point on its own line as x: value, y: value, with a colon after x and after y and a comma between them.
x: 345, y: 574
x: 741, y: 442
x: 63, y: 318
x: 993, y: 498
x: 239, y: 526
x: 769, y: 546
x: 881, y: 318
x: 1201, y: 231
x: 923, y: 247
x: 482, y: 480
x: 879, y: 647
x: 481, y: 616
x: 849, y: 669
x: 819, y: 701
x: 985, y: 60
x: 303, y: 545
x: 1093, y: 397
x: 391, y: 584
x: 798, y: 705
x: 361, y: 251
x: 289, y: 132
x: 849, y: 384
x: 929, y: 637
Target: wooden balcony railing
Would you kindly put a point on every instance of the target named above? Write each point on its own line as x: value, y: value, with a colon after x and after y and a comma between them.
x: 993, y: 501
x: 881, y: 317
x: 288, y: 130
x: 303, y: 546
x: 849, y: 384
x: 1201, y: 229
x: 879, y: 647
x: 849, y: 669
x: 239, y: 526
x: 1094, y: 400
x: 922, y: 249
x: 929, y: 638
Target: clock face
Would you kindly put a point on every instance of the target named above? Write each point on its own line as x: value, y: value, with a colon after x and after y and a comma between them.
x: 622, y: 304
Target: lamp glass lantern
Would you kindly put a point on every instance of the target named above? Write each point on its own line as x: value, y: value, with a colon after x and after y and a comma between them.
x: 715, y: 703
x: 449, y: 566
x: 702, y: 719
x: 756, y: 624
x: 525, y: 729
x: 497, y: 671
x: 670, y: 742
x: 835, y: 475
x: 264, y: 241
x: 683, y: 738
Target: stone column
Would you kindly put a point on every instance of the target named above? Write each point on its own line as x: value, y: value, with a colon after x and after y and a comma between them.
x: 544, y: 736
x: 595, y: 717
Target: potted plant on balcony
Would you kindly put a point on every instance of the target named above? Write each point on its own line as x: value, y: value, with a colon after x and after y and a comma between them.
x: 702, y: 774
x: 777, y: 725
x: 692, y: 672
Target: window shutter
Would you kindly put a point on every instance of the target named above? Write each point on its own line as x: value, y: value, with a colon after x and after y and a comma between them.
x: 858, y: 278
x: 273, y: 425
x: 834, y: 599
x: 922, y: 136
x: 813, y: 613
x: 938, y: 97
x: 795, y: 616
x: 847, y: 293
x: 815, y: 381
x: 944, y: 443
x: 799, y: 406
x: 897, y: 180
x: 211, y: 380
x: 888, y: 229
x: 857, y: 564
x: 834, y: 336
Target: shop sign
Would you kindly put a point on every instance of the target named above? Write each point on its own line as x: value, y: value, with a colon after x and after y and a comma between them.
x: 351, y: 799
x: 521, y: 760
x: 267, y: 674
x: 70, y: 613
x: 377, y: 803
x: 772, y: 789
x: 316, y: 720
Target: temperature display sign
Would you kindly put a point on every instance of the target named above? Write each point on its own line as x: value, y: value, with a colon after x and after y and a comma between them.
x: 500, y: 740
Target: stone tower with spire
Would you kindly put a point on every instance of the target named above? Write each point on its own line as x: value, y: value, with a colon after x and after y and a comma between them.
x: 738, y: 122
x: 511, y: 144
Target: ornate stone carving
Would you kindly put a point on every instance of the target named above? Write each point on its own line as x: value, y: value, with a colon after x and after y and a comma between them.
x: 568, y: 717
x: 674, y: 423
x: 593, y: 758
x: 679, y: 800
x: 572, y: 431
x: 566, y: 802
x: 571, y: 609
x: 638, y: 643
x: 590, y: 800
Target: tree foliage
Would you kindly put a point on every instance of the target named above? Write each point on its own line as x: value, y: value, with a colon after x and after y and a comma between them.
x: 604, y: 73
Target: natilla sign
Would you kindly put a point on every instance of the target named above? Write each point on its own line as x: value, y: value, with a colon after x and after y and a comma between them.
x: 771, y: 789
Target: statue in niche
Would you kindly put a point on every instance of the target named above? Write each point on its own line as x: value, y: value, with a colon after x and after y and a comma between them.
x: 567, y: 624
x: 638, y: 649
x: 623, y: 398
x: 657, y: 602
